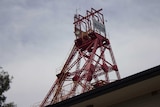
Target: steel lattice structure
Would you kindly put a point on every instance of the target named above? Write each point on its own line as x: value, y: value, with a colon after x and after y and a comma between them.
x: 91, y: 62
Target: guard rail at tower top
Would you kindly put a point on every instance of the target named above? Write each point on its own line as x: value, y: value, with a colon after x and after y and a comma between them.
x: 92, y: 22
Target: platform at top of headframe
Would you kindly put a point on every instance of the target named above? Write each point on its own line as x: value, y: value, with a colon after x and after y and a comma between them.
x: 92, y: 22
x: 83, y: 43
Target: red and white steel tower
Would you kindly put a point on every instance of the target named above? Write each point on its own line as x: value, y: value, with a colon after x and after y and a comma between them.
x: 91, y: 62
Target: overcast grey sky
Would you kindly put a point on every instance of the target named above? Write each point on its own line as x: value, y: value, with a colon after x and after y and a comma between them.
x: 36, y: 37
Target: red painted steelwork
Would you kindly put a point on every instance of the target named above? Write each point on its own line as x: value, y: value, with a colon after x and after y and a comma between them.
x: 90, y: 62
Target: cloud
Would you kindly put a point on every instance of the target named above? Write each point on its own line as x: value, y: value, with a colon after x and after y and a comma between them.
x: 37, y: 36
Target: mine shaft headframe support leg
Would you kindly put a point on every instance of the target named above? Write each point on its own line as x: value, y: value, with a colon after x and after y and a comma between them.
x: 59, y: 81
x: 115, y: 67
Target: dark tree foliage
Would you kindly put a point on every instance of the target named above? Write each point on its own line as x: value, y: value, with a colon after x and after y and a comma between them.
x: 9, y: 105
x: 5, y: 81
